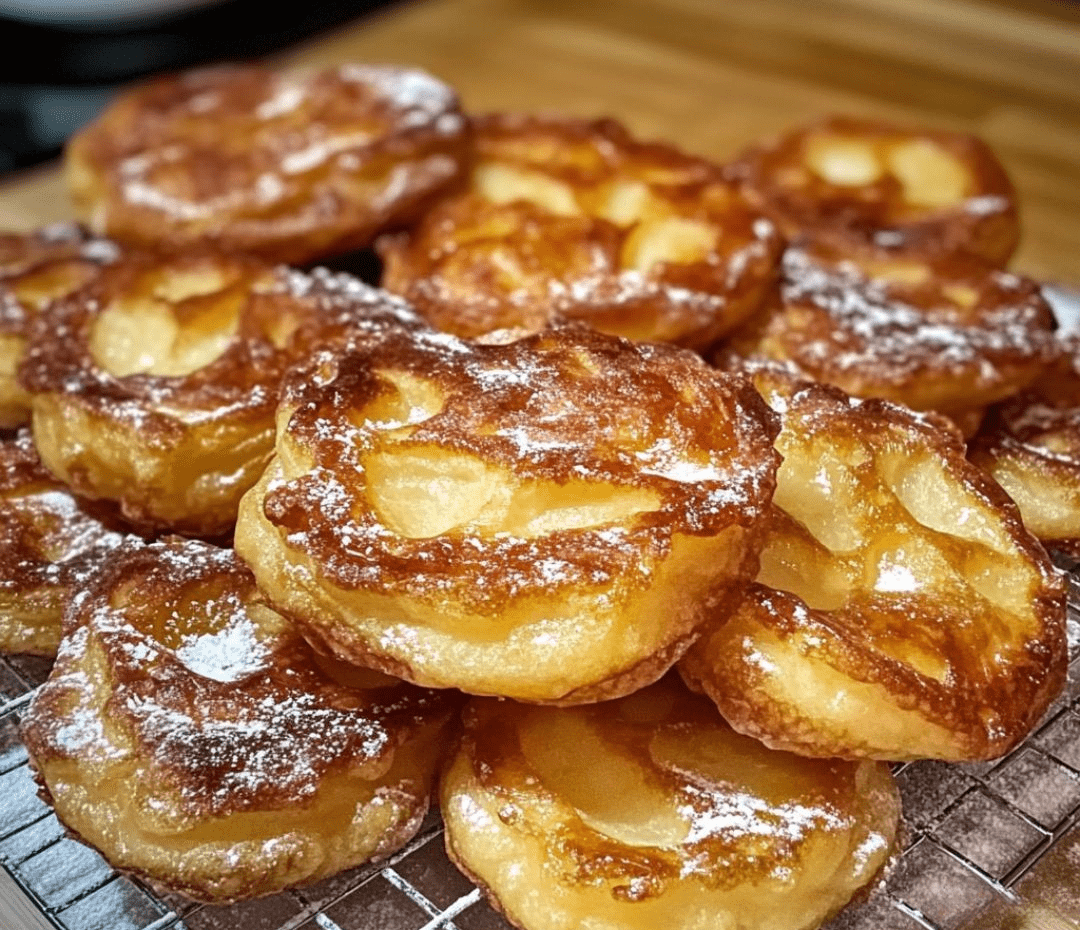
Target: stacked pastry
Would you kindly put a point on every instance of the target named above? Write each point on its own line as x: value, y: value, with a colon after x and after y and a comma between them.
x: 300, y: 545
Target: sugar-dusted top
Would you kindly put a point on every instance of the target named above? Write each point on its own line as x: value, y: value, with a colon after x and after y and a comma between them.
x: 290, y: 165
x: 163, y: 343
x: 660, y: 443
x: 215, y: 695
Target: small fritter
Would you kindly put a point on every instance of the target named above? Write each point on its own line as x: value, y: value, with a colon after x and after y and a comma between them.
x: 878, y: 190
x: 649, y: 812
x: 510, y: 519
x: 50, y: 545
x: 1031, y: 445
x: 161, y: 395
x: 948, y: 335
x: 193, y: 737
x: 287, y: 165
x: 575, y: 219
x: 36, y: 269
x: 901, y: 610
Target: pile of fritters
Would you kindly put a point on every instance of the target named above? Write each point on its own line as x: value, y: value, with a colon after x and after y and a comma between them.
x: 629, y: 421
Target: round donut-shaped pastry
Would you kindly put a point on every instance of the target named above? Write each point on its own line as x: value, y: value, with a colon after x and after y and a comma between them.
x: 575, y: 219
x: 947, y: 335
x: 1031, y: 446
x: 650, y: 812
x: 161, y: 393
x: 193, y: 737
x: 50, y: 544
x: 287, y: 165
x: 868, y: 187
x: 901, y: 610
x: 549, y: 519
x: 36, y: 269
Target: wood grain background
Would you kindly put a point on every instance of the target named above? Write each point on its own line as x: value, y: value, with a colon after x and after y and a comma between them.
x: 712, y: 75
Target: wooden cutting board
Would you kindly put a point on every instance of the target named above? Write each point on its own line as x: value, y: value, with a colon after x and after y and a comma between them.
x: 713, y: 75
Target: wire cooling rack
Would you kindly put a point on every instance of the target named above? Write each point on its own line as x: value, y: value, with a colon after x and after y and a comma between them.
x: 993, y: 846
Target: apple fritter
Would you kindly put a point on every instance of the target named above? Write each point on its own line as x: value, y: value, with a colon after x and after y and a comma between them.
x: 871, y: 188
x: 948, y: 335
x: 287, y: 165
x: 161, y: 395
x: 901, y: 610
x: 1031, y: 445
x: 510, y: 519
x: 651, y: 812
x: 36, y: 269
x: 193, y: 737
x: 578, y: 220
x: 50, y: 544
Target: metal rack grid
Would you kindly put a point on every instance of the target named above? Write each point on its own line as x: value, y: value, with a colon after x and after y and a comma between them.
x: 986, y: 843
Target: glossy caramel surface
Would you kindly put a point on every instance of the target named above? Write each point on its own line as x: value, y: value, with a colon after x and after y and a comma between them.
x: 559, y: 407
x: 194, y: 737
x: 874, y: 188
x: 291, y: 166
x: 901, y: 609
x: 650, y: 808
x: 577, y: 219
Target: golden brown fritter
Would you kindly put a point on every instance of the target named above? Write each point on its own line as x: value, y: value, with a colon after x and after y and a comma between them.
x: 287, y: 165
x: 901, y: 610
x: 510, y: 519
x: 650, y: 812
x: 949, y: 335
x: 50, y: 545
x: 573, y: 219
x: 1031, y: 446
x: 161, y: 395
x: 36, y: 269
x: 870, y: 188
x: 193, y: 737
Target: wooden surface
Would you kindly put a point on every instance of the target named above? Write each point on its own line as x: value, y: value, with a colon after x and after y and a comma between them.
x: 713, y: 75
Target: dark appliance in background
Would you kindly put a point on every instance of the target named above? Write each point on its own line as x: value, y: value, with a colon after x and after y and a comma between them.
x: 58, y: 72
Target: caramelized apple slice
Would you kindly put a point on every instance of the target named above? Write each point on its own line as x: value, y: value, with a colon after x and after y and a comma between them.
x: 566, y: 218
x: 191, y: 735
x: 648, y: 811
x: 510, y: 519
x: 870, y: 188
x: 901, y: 610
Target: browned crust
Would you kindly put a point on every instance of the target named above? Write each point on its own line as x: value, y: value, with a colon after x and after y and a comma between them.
x: 227, y: 405
x: 290, y: 166
x: 1015, y: 689
x: 548, y: 407
x: 451, y: 266
x: 874, y: 218
x: 915, y: 343
x: 50, y: 544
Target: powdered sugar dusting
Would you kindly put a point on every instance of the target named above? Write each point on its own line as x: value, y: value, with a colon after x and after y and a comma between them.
x: 220, y: 696
x: 558, y: 407
x: 867, y: 326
